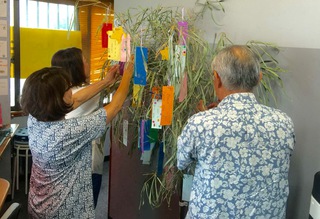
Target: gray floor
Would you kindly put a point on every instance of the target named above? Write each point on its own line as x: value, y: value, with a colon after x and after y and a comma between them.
x: 102, y: 205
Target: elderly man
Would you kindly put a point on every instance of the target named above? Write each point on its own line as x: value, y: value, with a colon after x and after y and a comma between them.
x: 241, y: 148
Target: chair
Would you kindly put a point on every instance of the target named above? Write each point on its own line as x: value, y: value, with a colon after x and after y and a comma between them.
x: 314, y: 211
x: 12, y: 212
x: 21, y: 146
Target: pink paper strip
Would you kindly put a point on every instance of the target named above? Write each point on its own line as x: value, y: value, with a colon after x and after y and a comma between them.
x: 183, y: 88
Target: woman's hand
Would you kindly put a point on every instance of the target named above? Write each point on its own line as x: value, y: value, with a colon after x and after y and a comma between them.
x: 129, y: 67
x: 112, y: 75
x: 121, y: 93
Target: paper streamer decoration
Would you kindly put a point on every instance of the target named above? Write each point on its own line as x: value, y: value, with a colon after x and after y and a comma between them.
x: 186, y: 187
x: 117, y: 34
x: 121, y: 67
x: 113, y: 48
x: 156, y: 113
x: 156, y: 108
x: 179, y: 67
x: 125, y: 48
x: 153, y: 133
x: 140, y: 67
x: 104, y: 35
x: 183, y: 32
x: 125, y: 132
x: 147, y: 134
x: 156, y: 93
x: 137, y: 95
x: 165, y: 53
x: 183, y: 88
x: 146, y: 155
x: 114, y: 43
x: 160, y: 160
x: 180, y: 60
x: 144, y: 132
x: 167, y: 105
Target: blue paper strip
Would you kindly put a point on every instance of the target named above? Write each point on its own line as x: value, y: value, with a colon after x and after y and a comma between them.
x: 141, y: 134
x: 144, y: 132
x: 141, y: 60
x: 160, y: 160
x: 146, y: 141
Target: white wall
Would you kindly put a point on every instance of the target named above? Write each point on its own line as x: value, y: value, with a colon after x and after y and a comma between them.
x: 289, y: 23
x: 294, y: 26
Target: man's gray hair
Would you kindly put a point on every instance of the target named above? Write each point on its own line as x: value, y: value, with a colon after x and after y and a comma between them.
x: 238, y: 68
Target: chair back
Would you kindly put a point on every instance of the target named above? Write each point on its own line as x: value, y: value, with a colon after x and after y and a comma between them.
x: 12, y: 212
x: 314, y: 211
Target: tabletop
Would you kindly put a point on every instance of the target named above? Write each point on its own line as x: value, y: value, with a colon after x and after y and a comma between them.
x: 4, y: 188
x: 13, y: 128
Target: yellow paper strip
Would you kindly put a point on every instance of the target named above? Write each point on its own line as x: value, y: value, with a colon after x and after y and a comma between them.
x: 137, y: 95
x: 113, y: 48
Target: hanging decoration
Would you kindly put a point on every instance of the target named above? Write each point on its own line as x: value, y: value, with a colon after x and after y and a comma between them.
x: 106, y: 26
x: 172, y: 73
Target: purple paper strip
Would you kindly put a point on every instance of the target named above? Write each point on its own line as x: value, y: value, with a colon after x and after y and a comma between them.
x: 121, y: 67
x: 183, y: 32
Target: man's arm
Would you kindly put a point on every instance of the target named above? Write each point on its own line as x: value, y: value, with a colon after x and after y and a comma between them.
x: 186, y: 153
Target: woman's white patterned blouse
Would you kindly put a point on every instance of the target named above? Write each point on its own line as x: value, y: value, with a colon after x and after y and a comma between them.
x: 60, y: 183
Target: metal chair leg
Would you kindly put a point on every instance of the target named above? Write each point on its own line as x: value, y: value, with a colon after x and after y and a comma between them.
x: 26, y: 176
x: 18, y: 168
x: 14, y: 176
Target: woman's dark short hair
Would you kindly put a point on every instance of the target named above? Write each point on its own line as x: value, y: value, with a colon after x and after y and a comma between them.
x: 43, y: 92
x: 71, y: 59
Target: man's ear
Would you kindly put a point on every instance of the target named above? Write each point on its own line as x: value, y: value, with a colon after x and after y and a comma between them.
x: 217, y: 79
x: 261, y: 75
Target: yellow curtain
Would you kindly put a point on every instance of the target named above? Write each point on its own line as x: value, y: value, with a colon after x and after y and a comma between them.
x: 38, y: 45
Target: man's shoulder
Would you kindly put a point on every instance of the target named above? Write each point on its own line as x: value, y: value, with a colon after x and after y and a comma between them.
x: 211, y: 114
x: 278, y: 113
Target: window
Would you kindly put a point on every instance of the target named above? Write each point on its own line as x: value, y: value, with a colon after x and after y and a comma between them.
x: 37, y: 14
x: 59, y: 14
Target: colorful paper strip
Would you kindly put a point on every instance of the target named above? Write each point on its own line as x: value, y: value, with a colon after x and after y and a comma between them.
x: 104, y: 35
x: 183, y: 32
x: 156, y: 113
x: 125, y: 48
x: 125, y: 132
x: 167, y: 105
x: 113, y: 48
x: 160, y: 160
x: 140, y: 67
x: 137, y: 95
x: 183, y: 88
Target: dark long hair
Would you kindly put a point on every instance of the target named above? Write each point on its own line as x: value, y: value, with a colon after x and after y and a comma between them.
x: 43, y: 92
x: 71, y: 60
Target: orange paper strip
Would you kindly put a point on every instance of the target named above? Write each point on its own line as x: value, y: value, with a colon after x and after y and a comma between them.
x: 156, y: 93
x: 167, y: 105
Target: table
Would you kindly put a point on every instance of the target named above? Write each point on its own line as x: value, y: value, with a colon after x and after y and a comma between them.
x: 5, y: 163
x: 6, y: 142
